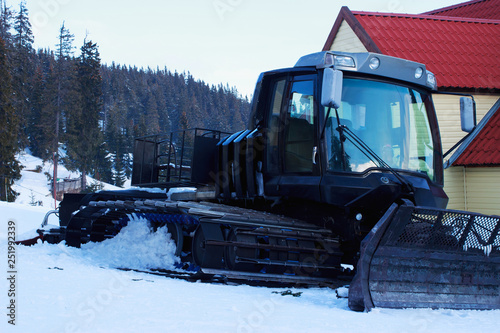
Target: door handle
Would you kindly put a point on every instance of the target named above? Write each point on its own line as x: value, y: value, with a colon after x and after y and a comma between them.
x: 315, y: 152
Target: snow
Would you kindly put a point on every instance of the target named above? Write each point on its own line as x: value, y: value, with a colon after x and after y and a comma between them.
x: 148, y: 189
x: 64, y: 289
x: 135, y: 247
x: 175, y: 190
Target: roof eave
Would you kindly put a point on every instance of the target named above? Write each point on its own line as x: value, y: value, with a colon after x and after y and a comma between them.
x: 475, y: 165
x: 445, y: 9
x: 471, y: 89
x: 347, y: 16
x: 463, y: 147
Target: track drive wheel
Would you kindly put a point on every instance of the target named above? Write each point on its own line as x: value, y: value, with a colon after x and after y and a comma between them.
x: 233, y: 252
x: 207, y: 256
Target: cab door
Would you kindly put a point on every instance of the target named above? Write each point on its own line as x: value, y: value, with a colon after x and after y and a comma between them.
x: 292, y: 144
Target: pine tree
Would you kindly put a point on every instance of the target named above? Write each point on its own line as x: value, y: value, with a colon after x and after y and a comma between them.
x: 37, y: 105
x: 84, y: 134
x: 6, y: 16
x: 24, y: 35
x: 23, y: 68
x: 102, y: 169
x: 116, y: 140
x: 63, y: 75
x: 43, y: 98
x: 65, y: 46
x: 10, y: 169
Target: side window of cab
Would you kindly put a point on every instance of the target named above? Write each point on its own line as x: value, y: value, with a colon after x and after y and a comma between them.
x: 299, y: 127
x: 275, y: 127
x: 291, y: 126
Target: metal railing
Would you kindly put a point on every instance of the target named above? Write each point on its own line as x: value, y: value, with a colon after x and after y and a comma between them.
x: 168, y: 157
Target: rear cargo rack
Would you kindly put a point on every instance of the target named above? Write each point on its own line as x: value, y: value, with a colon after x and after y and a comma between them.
x: 179, y: 158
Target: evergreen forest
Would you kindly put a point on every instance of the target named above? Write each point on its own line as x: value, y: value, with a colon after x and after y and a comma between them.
x: 65, y: 100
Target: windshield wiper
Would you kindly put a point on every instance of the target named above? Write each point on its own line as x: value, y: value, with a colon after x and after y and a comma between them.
x: 346, y: 133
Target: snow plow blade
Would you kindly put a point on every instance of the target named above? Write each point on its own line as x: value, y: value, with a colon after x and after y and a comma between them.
x: 417, y: 257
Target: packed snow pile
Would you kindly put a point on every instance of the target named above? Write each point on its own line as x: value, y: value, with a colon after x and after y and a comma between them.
x: 135, y: 247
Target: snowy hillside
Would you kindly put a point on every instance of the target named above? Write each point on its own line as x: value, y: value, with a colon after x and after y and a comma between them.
x: 62, y: 289
x: 34, y: 186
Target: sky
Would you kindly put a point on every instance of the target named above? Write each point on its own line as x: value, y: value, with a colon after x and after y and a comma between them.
x: 217, y: 41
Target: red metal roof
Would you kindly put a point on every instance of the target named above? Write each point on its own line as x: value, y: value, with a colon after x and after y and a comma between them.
x: 463, y: 53
x: 483, y: 9
x: 484, y: 148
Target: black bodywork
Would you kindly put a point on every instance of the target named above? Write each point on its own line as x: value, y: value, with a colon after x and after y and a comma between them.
x: 243, y: 174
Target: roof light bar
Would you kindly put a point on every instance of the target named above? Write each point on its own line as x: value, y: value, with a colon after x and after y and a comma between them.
x: 371, y: 64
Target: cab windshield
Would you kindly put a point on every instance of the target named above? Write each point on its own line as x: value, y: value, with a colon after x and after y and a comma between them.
x: 391, y: 119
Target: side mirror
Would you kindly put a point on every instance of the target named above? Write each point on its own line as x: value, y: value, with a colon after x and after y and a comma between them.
x: 467, y: 114
x: 331, y: 93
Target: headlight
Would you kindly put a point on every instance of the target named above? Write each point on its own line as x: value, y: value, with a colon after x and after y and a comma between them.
x: 374, y: 63
x: 344, y: 61
x: 431, y: 80
x: 418, y: 73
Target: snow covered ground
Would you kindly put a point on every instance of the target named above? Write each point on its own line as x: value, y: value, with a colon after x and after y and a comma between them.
x: 34, y: 187
x: 62, y: 289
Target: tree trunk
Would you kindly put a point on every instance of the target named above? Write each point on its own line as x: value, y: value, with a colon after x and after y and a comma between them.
x: 84, y: 180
